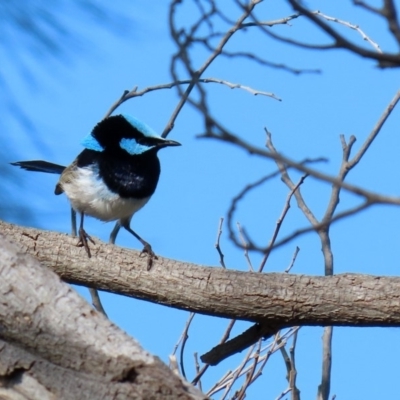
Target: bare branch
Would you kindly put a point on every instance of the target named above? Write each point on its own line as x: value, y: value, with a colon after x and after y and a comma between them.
x: 127, y: 95
x: 237, y: 373
x: 250, y: 374
x: 279, y: 223
x: 390, y: 13
x: 261, y: 61
x: 197, y: 366
x: 375, y: 131
x: 351, y: 26
x: 196, y: 75
x: 296, y: 252
x: 325, y: 386
x: 223, y: 340
x: 384, y: 59
x: 96, y: 301
x: 281, y: 21
x: 182, y: 341
x: 370, y: 196
x: 240, y: 86
x: 185, y: 337
x: 245, y: 246
x: 217, y: 245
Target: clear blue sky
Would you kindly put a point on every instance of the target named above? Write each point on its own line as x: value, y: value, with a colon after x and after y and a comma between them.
x: 65, y: 97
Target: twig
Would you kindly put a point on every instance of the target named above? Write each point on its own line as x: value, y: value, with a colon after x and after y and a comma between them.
x: 255, y: 92
x: 196, y: 75
x: 293, y: 371
x: 245, y: 246
x: 286, y: 359
x: 351, y: 26
x: 256, y: 58
x: 217, y: 245
x: 325, y: 385
x: 249, y: 375
x: 224, y: 338
x: 283, y: 394
x: 279, y: 223
x: 274, y: 346
x: 318, y: 226
x: 96, y: 301
x: 237, y: 373
x: 296, y: 252
x: 240, y: 196
x: 130, y: 94
x: 197, y: 367
x: 388, y: 11
x: 375, y: 131
x: 261, y: 355
x: 290, y: 364
x: 182, y: 340
x: 384, y: 59
x: 370, y: 196
x: 281, y: 21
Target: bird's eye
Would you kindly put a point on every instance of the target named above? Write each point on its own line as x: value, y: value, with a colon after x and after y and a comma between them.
x: 145, y: 141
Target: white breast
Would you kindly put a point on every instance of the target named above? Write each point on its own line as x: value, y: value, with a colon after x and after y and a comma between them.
x: 88, y: 194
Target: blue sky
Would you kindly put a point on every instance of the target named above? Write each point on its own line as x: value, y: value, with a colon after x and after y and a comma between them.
x: 65, y: 97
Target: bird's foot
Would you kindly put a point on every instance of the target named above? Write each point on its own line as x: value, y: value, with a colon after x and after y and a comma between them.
x: 150, y: 255
x: 83, y: 241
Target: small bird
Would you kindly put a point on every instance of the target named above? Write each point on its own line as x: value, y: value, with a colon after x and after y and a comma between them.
x: 113, y: 177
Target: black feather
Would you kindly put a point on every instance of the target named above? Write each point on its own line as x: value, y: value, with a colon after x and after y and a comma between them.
x: 129, y: 176
x: 40, y: 166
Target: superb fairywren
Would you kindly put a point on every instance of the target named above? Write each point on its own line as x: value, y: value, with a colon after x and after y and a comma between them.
x: 113, y: 177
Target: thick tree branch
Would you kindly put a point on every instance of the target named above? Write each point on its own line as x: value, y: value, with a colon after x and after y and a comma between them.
x: 54, y: 345
x: 285, y: 299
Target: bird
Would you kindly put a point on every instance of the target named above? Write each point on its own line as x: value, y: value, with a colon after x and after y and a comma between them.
x: 113, y: 177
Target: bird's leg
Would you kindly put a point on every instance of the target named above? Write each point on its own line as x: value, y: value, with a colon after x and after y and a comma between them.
x: 96, y: 302
x: 146, y: 249
x: 114, y: 233
x: 73, y: 222
x: 84, y: 237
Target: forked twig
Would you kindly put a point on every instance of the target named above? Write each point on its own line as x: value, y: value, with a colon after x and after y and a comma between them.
x: 279, y: 223
x: 182, y: 341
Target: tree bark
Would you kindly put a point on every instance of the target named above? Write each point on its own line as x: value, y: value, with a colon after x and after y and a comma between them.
x: 53, y: 345
x: 281, y: 299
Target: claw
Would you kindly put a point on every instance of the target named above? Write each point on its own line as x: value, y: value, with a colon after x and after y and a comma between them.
x: 83, y: 241
x: 150, y: 255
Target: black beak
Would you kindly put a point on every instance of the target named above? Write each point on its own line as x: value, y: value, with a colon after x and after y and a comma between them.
x: 166, y: 143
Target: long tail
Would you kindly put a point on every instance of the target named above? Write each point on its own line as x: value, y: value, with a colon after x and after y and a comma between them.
x: 40, y: 166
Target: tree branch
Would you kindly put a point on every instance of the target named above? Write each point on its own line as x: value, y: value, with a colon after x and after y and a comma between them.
x: 283, y: 299
x: 54, y: 345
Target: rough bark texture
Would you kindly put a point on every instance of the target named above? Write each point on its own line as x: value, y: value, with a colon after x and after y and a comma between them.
x: 284, y: 299
x: 53, y: 345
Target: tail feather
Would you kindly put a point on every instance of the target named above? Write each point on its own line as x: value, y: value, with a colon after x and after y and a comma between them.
x: 40, y: 166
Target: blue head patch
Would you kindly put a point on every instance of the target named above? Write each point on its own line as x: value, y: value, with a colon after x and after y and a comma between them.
x: 90, y: 143
x: 140, y: 126
x: 133, y: 147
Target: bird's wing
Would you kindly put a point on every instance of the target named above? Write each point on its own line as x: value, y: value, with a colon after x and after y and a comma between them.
x: 68, y: 175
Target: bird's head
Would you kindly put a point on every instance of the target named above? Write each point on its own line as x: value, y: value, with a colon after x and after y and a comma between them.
x: 124, y: 132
